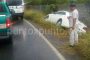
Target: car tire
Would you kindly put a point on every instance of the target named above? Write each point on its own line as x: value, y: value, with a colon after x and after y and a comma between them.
x: 20, y: 20
x: 59, y: 22
x: 22, y: 17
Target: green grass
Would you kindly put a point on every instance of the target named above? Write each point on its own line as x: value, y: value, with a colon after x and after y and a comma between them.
x: 84, y: 46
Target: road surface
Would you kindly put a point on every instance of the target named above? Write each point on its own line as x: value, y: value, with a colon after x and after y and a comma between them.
x: 27, y: 45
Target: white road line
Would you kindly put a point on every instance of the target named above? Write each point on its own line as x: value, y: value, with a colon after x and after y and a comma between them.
x: 60, y: 56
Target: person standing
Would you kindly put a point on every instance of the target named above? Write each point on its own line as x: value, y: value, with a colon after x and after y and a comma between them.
x: 74, y: 15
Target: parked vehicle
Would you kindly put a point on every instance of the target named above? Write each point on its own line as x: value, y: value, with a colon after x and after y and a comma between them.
x: 61, y: 18
x: 17, y: 6
x: 5, y: 22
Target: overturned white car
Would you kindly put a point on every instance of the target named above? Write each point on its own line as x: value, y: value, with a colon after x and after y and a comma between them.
x: 61, y: 18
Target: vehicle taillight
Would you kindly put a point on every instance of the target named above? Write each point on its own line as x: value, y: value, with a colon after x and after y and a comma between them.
x: 8, y: 23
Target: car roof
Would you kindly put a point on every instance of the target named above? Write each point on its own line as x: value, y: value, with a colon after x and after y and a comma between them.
x: 2, y: 2
x: 62, y: 11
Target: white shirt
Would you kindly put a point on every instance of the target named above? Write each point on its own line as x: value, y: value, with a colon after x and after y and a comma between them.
x: 74, y: 15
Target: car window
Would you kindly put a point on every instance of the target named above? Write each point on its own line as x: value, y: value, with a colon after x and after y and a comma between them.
x: 61, y: 13
x: 2, y: 9
x: 14, y: 2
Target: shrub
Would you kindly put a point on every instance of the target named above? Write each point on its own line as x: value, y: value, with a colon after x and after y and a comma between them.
x: 84, y: 46
x: 51, y: 8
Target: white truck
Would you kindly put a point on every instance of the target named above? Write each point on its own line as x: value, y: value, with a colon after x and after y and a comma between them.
x: 17, y: 6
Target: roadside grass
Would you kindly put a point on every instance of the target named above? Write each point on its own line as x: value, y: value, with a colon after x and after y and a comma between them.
x: 38, y: 18
x: 84, y: 45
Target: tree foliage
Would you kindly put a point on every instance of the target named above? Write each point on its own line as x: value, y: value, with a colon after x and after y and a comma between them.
x: 44, y: 2
x: 54, y: 1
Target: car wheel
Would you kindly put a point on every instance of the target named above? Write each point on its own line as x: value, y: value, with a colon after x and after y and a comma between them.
x: 21, y: 17
x: 20, y: 20
x: 59, y: 22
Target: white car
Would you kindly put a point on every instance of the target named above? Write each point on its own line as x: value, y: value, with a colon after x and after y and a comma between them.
x: 61, y: 18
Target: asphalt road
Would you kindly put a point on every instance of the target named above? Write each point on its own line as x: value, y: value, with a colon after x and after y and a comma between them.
x: 27, y: 45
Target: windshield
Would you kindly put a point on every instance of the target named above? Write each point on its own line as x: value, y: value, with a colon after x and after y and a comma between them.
x: 14, y: 2
x: 61, y: 13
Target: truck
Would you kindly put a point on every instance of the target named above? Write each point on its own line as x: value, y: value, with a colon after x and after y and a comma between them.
x: 17, y: 7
